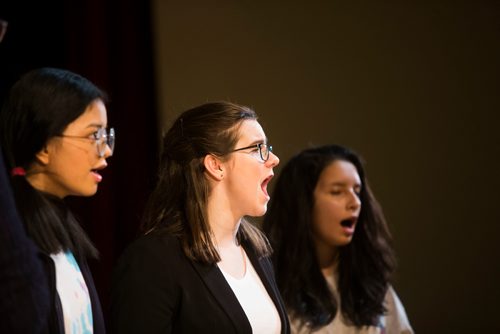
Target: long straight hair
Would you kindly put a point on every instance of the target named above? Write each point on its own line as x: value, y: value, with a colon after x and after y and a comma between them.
x: 365, y: 264
x: 40, y: 105
x: 178, y: 204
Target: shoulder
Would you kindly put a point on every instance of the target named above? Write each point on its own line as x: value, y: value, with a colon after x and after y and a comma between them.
x: 149, y: 252
x: 153, y: 241
x: 396, y: 318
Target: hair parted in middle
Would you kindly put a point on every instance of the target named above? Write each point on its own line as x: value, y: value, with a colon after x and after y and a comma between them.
x: 365, y: 264
x: 178, y: 204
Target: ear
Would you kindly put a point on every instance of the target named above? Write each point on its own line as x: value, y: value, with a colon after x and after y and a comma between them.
x: 43, y: 156
x: 214, y: 167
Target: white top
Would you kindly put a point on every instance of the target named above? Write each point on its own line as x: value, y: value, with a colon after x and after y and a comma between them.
x: 255, y: 301
x: 394, y: 321
x: 73, y: 293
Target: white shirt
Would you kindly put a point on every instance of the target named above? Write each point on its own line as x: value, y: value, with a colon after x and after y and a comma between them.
x: 255, y: 301
x: 73, y: 293
x: 394, y: 322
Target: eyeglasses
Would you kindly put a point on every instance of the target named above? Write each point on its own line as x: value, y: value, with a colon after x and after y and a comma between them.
x: 101, y: 138
x: 264, y: 150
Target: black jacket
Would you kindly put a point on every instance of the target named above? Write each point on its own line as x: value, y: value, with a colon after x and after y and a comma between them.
x: 157, y: 289
x: 29, y: 302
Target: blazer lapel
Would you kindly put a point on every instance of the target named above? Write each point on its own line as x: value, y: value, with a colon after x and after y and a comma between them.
x: 222, y: 292
x: 263, y: 267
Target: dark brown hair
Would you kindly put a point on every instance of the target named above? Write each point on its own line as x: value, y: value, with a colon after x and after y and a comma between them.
x: 365, y: 264
x: 178, y: 204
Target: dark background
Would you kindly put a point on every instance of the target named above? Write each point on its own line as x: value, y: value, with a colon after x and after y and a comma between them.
x: 413, y: 86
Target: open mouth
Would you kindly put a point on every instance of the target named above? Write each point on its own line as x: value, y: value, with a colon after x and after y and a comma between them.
x: 348, y: 222
x: 264, y: 184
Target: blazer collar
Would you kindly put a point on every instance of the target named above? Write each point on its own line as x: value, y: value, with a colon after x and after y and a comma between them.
x: 222, y: 292
x: 224, y: 295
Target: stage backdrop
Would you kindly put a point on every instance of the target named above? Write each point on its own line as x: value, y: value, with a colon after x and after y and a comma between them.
x: 413, y: 86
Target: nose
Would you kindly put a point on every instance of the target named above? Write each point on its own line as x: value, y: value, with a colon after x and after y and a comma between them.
x: 273, y: 160
x: 107, y: 151
x: 354, y: 202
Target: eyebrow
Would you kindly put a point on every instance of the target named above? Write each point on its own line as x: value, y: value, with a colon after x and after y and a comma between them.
x: 258, y: 141
x: 342, y: 184
x: 95, y: 125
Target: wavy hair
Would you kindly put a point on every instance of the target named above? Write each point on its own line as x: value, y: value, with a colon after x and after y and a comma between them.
x: 178, y: 204
x: 38, y: 107
x: 365, y: 264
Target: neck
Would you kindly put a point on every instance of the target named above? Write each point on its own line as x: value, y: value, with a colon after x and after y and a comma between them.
x: 223, y: 223
x: 327, y: 258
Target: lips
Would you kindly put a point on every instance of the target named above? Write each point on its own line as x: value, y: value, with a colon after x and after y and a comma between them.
x: 95, y: 172
x: 97, y: 176
x: 348, y: 225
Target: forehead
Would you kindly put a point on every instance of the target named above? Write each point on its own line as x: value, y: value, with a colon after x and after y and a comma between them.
x: 251, y: 131
x: 94, y: 115
x: 339, y: 172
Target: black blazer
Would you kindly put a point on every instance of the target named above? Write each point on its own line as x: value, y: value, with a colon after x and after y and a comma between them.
x: 157, y: 289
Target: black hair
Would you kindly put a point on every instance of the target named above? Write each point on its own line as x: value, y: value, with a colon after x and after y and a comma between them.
x: 38, y: 107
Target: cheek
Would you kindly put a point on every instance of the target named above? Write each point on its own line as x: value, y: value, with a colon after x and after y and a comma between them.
x: 325, y: 216
x: 326, y: 209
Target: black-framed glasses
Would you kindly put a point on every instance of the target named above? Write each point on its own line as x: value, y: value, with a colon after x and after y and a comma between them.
x: 264, y: 150
x: 102, y: 138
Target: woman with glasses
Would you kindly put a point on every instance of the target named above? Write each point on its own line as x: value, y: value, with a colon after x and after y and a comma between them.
x: 54, y: 140
x: 332, y: 252
x: 200, y: 267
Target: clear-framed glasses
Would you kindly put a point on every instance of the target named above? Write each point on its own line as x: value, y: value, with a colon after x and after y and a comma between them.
x: 101, y: 138
x: 264, y: 150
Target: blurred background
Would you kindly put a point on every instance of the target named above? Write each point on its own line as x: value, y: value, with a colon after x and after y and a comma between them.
x: 413, y: 86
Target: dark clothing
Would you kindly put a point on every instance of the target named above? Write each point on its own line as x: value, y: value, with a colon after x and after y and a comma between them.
x: 29, y: 302
x: 24, y: 293
x: 157, y: 289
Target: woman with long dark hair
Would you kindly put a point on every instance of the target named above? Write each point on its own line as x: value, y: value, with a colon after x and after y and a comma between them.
x: 200, y: 267
x: 332, y: 253
x: 54, y: 140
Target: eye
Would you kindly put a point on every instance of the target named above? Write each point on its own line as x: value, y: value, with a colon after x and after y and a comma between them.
x: 96, y: 135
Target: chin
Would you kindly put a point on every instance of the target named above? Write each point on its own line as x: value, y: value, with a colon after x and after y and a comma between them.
x: 258, y: 212
x: 343, y: 242
x: 88, y: 192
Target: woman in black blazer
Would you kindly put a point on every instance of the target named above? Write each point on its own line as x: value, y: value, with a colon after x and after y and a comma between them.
x: 200, y: 267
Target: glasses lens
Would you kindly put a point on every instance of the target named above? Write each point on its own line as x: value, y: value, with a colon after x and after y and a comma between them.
x: 111, y: 139
x: 264, y: 151
x: 106, y: 139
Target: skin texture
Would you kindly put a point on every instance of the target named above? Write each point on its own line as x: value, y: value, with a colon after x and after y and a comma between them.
x: 68, y: 165
x: 239, y: 188
x: 335, y: 200
x: 245, y: 175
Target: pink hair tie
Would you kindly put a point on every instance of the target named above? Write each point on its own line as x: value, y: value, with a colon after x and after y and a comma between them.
x: 18, y: 171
